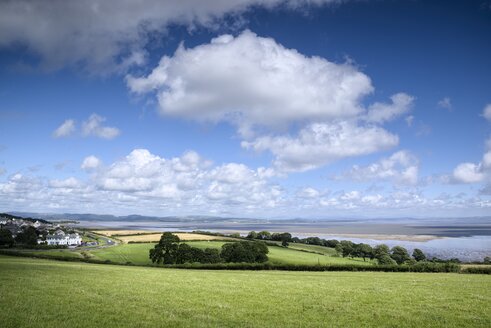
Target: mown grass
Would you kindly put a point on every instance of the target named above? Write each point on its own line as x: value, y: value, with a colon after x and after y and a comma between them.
x: 66, y: 294
x: 53, y: 252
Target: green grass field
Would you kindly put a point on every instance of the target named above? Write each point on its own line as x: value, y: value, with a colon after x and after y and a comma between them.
x: 48, y: 293
x: 138, y: 254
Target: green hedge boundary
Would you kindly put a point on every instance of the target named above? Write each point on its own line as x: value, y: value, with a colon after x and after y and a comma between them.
x: 418, y: 267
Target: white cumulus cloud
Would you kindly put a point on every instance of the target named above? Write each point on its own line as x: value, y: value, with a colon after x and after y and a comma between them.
x: 253, y: 81
x: 468, y: 173
x: 93, y: 127
x: 261, y: 87
x: 90, y: 162
x: 65, y: 129
x: 69, y: 183
x: 321, y: 143
x: 382, y: 112
x: 401, y: 167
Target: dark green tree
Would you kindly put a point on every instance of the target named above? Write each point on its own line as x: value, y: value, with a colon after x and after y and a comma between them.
x: 339, y: 249
x: 281, y: 236
x: 252, y: 235
x: 348, y: 248
x: 244, y: 251
x: 418, y: 255
x: 211, y: 255
x: 6, y: 238
x: 385, y: 259
x: 166, y: 250
x: 29, y: 236
x: 381, y: 250
x: 331, y: 243
x: 313, y: 241
x: 399, y: 254
x: 184, y: 254
x: 236, y: 252
x: 264, y: 235
x: 364, y: 250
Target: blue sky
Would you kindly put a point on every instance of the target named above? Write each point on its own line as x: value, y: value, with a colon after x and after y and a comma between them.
x: 272, y: 109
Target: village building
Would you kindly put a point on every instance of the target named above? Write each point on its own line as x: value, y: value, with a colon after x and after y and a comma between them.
x: 72, y: 239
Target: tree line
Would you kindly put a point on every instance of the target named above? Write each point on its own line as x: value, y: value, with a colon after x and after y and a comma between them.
x: 345, y: 248
x: 170, y: 250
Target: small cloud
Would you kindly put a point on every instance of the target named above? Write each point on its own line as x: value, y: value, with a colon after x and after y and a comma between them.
x: 93, y: 127
x: 423, y: 130
x: 90, y: 163
x: 65, y: 129
x: 445, y: 103
x: 468, y: 173
x: 61, y: 165
x: 381, y: 112
x: 308, y: 192
x: 409, y: 120
x: 70, y: 183
x: 487, y: 112
x: 2, y: 171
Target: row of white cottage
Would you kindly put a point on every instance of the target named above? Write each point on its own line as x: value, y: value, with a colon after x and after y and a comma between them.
x: 72, y: 239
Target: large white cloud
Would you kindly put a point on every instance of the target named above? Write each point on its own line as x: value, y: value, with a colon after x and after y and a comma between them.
x: 474, y: 172
x: 468, y: 173
x: 262, y: 87
x: 321, y: 143
x: 252, y: 80
x: 107, y: 35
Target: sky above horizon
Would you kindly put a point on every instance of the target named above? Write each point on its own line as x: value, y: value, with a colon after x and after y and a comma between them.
x: 274, y: 109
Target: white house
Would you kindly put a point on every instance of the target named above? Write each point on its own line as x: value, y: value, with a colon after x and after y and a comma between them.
x: 68, y: 239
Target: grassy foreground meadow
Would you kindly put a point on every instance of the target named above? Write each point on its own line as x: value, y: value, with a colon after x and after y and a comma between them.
x: 67, y: 294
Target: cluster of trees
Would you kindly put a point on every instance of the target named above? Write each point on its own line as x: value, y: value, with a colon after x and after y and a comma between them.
x: 286, y: 237
x: 382, y: 253
x: 28, y: 236
x: 169, y: 250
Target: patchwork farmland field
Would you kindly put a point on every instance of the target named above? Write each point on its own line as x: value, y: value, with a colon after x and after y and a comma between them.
x: 139, y: 236
x: 138, y: 254
x: 52, y: 293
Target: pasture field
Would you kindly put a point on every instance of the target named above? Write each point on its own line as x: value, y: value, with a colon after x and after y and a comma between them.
x: 182, y: 236
x: 313, y: 248
x: 138, y: 254
x: 72, y: 294
x: 113, y: 232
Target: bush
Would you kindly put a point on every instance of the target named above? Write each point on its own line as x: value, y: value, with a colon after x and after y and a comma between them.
x: 386, y: 260
x: 477, y: 270
x: 244, y: 251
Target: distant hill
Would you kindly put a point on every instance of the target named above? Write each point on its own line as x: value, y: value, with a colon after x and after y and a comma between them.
x: 10, y: 217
